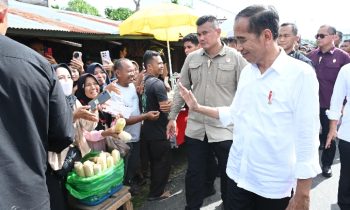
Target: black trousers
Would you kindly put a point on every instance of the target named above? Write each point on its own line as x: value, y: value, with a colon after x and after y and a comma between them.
x: 327, y: 154
x: 241, y: 199
x: 144, y: 158
x: 159, y: 154
x: 344, y: 179
x: 57, y: 190
x: 132, y: 162
x: 196, y: 182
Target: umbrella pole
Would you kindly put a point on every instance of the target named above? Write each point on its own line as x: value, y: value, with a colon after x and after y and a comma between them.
x: 170, y: 66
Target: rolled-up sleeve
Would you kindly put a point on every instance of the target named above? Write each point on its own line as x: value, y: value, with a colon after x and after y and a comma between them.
x: 307, y: 127
x: 225, y: 116
x: 339, y: 94
x: 93, y: 135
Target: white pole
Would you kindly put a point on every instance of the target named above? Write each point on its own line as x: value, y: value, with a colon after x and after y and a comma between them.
x: 170, y: 67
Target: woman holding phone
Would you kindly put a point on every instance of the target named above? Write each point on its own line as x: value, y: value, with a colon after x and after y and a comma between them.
x: 89, y: 89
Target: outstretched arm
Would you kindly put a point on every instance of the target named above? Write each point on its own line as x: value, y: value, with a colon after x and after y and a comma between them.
x: 193, y: 105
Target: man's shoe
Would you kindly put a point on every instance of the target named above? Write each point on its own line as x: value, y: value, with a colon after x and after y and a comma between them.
x: 327, y: 171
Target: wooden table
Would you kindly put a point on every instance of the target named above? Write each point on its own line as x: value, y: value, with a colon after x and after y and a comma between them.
x: 118, y: 199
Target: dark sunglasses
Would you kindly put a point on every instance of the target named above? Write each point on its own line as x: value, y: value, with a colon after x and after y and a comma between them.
x: 321, y: 36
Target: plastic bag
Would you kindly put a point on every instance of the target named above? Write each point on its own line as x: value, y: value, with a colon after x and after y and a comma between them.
x: 96, y: 186
x: 73, y: 154
x: 122, y: 147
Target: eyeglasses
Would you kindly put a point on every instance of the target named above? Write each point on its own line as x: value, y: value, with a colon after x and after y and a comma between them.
x: 321, y: 36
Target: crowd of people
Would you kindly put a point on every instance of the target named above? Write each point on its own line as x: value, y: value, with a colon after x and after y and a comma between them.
x: 260, y: 109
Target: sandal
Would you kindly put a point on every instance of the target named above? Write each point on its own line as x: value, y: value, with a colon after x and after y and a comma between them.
x: 164, y: 196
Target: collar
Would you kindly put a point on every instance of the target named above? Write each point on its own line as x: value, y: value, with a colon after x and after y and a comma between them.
x: 331, y: 51
x: 222, y: 52
x: 280, y: 62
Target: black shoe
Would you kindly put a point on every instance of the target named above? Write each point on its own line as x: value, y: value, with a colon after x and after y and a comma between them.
x: 209, y: 192
x: 327, y: 171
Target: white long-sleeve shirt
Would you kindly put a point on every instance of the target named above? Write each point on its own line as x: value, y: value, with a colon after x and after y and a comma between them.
x: 276, y: 127
x: 340, y: 91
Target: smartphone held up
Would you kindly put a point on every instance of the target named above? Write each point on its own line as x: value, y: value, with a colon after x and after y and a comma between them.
x: 101, y: 98
x: 105, y: 57
x: 48, y: 52
x: 77, y: 55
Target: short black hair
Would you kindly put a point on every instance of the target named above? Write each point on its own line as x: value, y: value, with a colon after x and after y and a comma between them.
x: 261, y: 18
x: 294, y: 27
x: 148, y: 57
x: 208, y: 18
x: 346, y: 40
x: 192, y: 37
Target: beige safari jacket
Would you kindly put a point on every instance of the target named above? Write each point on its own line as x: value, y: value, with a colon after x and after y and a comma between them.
x: 213, y: 82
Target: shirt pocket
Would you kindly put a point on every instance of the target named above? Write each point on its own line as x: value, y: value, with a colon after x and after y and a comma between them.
x: 280, y: 109
x: 194, y: 72
x: 226, y: 74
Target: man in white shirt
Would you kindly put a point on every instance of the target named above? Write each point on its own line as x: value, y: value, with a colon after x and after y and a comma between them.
x: 340, y: 91
x: 275, y: 113
x: 124, y: 71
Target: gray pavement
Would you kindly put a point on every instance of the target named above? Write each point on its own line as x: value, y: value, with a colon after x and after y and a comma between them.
x: 325, y: 190
x: 323, y: 193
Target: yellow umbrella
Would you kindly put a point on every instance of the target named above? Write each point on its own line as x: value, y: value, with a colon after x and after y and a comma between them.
x: 165, y: 21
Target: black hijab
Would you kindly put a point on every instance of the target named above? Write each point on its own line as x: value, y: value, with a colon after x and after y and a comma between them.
x: 71, y: 98
x: 80, y: 93
x: 91, y: 70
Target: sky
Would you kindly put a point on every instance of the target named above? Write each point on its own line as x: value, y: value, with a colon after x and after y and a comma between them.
x: 308, y: 15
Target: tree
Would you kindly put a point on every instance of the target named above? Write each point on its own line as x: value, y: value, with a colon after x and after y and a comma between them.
x: 175, y: 1
x: 118, y: 14
x: 137, y: 5
x: 82, y: 7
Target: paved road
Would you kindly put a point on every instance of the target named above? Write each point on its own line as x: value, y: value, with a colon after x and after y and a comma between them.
x: 323, y: 194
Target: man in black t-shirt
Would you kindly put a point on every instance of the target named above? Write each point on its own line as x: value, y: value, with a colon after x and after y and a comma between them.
x: 154, y: 132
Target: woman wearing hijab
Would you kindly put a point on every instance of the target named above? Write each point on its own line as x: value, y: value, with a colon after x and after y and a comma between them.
x: 102, y: 77
x: 89, y: 89
x: 82, y: 120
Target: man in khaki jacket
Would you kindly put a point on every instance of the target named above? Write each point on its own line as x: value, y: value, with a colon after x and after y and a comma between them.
x: 212, y: 74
